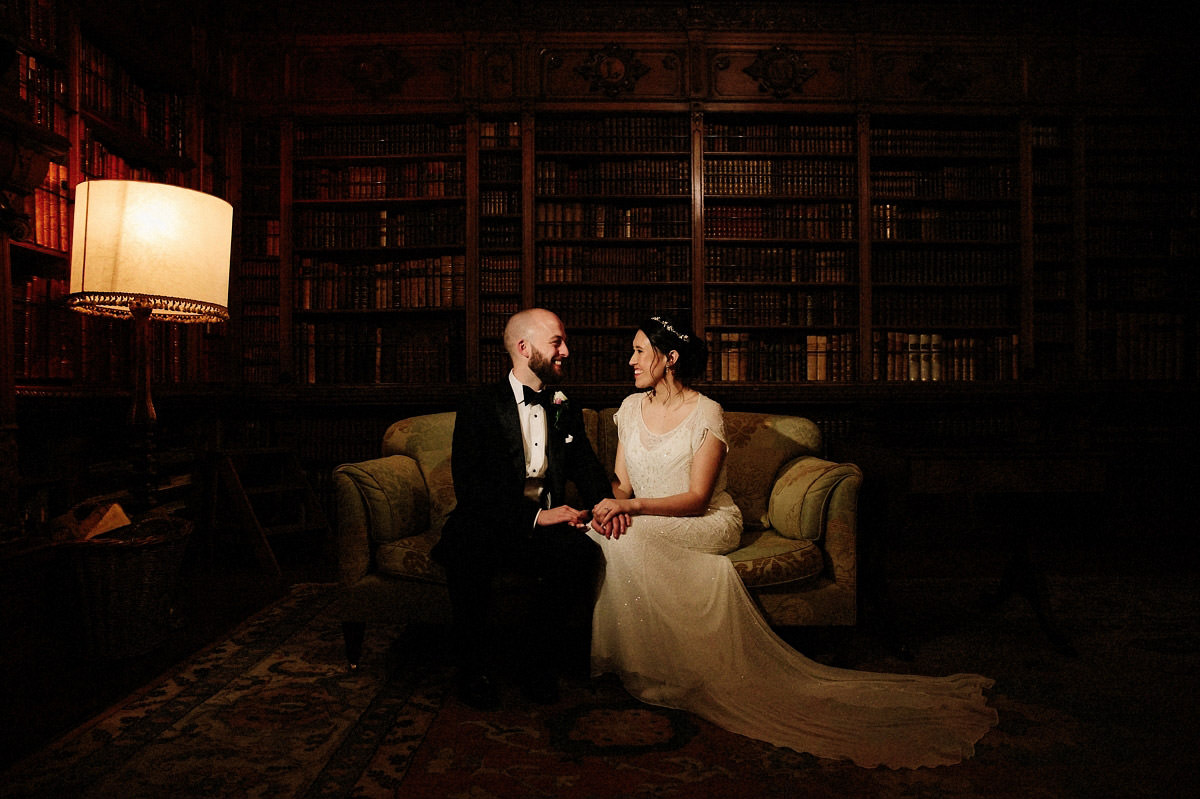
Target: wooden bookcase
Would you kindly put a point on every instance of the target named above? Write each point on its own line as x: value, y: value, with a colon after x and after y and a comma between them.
x: 809, y: 249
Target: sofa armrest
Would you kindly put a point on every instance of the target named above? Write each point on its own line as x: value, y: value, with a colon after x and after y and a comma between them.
x: 816, y: 499
x: 378, y: 500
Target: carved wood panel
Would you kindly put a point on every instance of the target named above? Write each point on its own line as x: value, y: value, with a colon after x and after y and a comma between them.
x: 611, y: 72
x: 944, y: 74
x: 379, y: 72
x: 780, y: 72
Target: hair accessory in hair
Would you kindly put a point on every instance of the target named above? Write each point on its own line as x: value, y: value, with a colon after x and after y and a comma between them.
x: 667, y: 326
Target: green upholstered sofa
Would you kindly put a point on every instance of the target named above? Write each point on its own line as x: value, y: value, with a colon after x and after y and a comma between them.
x: 797, y: 555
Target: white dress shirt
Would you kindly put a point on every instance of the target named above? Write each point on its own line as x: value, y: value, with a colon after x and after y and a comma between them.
x: 534, y: 435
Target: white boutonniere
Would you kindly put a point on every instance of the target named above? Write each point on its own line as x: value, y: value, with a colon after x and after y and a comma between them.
x: 560, y: 404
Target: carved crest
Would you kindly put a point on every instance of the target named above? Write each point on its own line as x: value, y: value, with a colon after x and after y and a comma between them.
x: 944, y: 74
x: 379, y: 72
x: 612, y: 70
x: 780, y: 71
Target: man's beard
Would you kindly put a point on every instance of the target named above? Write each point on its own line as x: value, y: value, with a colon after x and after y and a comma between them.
x: 544, y: 368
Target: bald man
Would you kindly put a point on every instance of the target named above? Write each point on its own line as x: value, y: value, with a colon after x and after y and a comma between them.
x: 515, y: 451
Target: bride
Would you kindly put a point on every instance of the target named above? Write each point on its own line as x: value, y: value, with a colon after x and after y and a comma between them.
x: 674, y: 621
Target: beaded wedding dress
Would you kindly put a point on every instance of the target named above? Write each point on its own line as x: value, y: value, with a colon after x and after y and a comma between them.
x: 674, y: 621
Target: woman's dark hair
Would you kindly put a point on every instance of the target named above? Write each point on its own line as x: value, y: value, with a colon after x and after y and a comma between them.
x: 666, y: 334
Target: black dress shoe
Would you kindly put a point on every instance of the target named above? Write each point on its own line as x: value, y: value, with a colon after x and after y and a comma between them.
x: 479, y: 691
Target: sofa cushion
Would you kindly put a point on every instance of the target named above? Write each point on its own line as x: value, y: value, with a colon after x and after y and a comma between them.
x: 759, y: 444
x: 409, y: 557
x: 427, y: 440
x: 766, y: 558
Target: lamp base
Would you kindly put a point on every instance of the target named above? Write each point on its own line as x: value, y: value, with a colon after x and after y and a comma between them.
x: 143, y: 492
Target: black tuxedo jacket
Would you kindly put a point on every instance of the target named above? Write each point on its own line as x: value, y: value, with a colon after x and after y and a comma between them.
x: 488, y: 465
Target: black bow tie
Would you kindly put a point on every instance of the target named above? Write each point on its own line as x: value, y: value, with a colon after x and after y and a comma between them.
x: 535, y: 397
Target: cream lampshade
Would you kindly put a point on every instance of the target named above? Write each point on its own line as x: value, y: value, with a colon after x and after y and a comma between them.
x: 137, y: 243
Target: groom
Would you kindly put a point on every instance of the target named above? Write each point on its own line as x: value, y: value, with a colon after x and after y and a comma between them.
x: 517, y: 443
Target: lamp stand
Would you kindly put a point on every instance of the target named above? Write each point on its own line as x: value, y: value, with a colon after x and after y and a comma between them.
x: 143, y: 420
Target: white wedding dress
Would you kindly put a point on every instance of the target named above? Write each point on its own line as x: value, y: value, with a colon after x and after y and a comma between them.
x: 674, y: 621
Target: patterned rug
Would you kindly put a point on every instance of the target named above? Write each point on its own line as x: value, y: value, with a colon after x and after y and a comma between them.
x: 272, y: 712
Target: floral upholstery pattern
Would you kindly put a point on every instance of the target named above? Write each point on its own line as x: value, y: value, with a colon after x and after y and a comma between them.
x: 427, y: 440
x: 797, y: 555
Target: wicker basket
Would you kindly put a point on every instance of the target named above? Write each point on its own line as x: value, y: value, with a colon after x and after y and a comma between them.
x: 126, y: 582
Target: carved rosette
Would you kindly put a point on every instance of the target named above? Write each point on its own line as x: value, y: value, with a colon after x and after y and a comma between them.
x: 780, y: 71
x: 612, y: 70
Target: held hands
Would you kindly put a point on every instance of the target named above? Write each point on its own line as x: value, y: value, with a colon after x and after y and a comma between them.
x: 610, y: 518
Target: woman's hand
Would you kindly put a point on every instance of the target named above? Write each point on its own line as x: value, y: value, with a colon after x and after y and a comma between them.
x: 611, y: 517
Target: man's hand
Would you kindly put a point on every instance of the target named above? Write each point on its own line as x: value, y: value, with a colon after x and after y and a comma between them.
x: 563, y: 514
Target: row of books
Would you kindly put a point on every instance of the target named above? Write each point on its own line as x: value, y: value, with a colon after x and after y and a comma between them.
x: 498, y: 202
x: 383, y: 227
x: 37, y: 22
x: 499, y: 278
x: 109, y: 90
x: 493, y: 135
x: 609, y: 221
x: 435, y: 282
x: 260, y: 146
x: 615, y: 134
x: 260, y: 193
x: 656, y: 259
x: 639, y: 176
x: 832, y: 264
x: 749, y: 357
x: 1138, y: 345
x: 50, y: 210
x: 1134, y: 240
x: 612, y: 307
x: 498, y: 233
x: 953, y: 142
x: 434, y: 178
x: 975, y: 182
x: 974, y: 308
x: 97, y: 161
x: 790, y: 138
x: 774, y: 308
x: 932, y: 356
x: 45, y: 330
x: 499, y: 168
x: 762, y: 177
x: 915, y: 222
x: 373, y: 139
x: 42, y: 86
x: 333, y: 353
x: 822, y: 221
x: 260, y: 237
x: 494, y: 314
x: 933, y: 267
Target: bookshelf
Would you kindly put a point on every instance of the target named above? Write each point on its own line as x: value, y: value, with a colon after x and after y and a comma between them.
x: 1056, y: 267
x: 379, y: 242
x: 1142, y: 241
x: 501, y: 239
x: 113, y: 123
x: 780, y: 264
x: 612, y: 229
x: 945, y: 257
x: 257, y: 269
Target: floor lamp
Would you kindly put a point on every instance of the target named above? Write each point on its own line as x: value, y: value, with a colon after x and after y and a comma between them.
x: 149, y: 252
